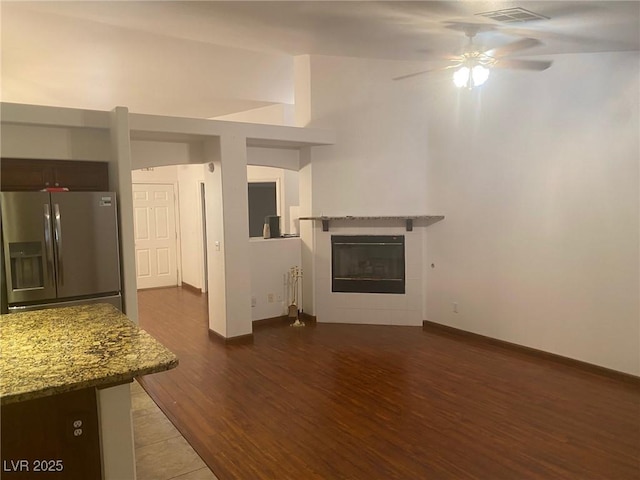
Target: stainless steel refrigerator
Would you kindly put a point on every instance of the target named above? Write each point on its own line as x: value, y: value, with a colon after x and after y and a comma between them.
x: 60, y: 249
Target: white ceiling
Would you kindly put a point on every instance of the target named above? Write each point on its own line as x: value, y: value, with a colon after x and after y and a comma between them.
x: 79, y: 53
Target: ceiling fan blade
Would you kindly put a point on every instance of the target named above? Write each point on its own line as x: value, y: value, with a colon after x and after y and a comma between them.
x: 516, y: 46
x: 402, y: 77
x: 470, y: 29
x: 517, y: 64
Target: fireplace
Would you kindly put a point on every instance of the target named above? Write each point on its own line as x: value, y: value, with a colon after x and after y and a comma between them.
x: 367, y: 263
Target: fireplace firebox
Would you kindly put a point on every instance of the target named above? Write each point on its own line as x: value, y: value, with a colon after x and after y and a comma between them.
x: 367, y: 263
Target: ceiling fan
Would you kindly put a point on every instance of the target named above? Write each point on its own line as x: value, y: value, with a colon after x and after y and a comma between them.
x: 474, y: 65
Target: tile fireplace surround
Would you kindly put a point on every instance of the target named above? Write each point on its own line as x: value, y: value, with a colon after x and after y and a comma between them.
x: 370, y: 308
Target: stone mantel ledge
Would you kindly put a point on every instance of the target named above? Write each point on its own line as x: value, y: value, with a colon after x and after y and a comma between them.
x: 52, y: 351
x: 408, y: 219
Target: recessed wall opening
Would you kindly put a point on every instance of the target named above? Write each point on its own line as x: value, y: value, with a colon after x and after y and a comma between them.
x: 367, y: 264
x: 262, y: 202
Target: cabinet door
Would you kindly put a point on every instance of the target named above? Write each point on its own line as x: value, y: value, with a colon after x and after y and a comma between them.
x: 33, y: 175
x: 24, y: 175
x: 52, y: 437
x: 81, y: 176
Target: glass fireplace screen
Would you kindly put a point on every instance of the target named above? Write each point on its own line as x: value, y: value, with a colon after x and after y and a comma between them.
x: 367, y: 263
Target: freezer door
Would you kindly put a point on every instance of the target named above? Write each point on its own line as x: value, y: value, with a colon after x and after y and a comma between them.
x: 27, y: 246
x: 85, y: 232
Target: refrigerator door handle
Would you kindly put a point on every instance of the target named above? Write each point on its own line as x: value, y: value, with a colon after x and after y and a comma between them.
x: 58, y: 239
x: 47, y: 241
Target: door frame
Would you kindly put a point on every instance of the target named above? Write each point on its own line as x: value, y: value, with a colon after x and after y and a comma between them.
x: 203, y: 238
x: 176, y: 208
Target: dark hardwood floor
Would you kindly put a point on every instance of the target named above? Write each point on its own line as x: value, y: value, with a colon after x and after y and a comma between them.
x: 375, y: 402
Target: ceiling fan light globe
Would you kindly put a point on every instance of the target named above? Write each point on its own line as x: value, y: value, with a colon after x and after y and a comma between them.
x: 461, y: 77
x: 480, y: 75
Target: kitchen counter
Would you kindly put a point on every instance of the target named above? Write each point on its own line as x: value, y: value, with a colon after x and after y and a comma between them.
x: 58, y: 350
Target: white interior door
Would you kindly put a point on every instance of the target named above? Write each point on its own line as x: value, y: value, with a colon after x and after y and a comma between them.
x: 155, y: 235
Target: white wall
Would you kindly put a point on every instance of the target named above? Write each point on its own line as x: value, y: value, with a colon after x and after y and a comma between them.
x: 538, y: 179
x: 55, y: 143
x: 148, y: 71
x: 270, y: 262
x: 288, y: 159
x: 537, y: 175
x: 292, y: 202
x: 277, y: 114
x: 378, y: 165
x: 191, y: 236
x: 215, y: 235
x: 145, y: 153
x: 168, y: 174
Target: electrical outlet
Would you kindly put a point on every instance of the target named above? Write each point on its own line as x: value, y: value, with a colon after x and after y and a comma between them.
x: 279, y: 297
x: 75, y: 427
x: 253, y: 301
x: 455, y: 307
x: 270, y: 298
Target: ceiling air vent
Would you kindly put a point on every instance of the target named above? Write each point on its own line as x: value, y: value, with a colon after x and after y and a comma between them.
x: 512, y: 15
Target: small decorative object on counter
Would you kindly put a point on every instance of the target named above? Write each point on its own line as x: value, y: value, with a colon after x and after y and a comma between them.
x: 273, y: 221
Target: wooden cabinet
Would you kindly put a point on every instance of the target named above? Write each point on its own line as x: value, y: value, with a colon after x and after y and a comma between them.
x: 32, y: 175
x: 52, y: 437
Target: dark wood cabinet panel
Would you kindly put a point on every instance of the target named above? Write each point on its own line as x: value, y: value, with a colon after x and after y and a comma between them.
x: 52, y: 437
x: 34, y: 175
x: 23, y: 175
x: 82, y: 176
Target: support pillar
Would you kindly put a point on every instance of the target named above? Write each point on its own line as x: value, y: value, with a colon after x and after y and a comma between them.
x: 229, y: 273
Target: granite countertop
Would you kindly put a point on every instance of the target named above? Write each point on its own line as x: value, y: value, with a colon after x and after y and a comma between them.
x: 57, y: 350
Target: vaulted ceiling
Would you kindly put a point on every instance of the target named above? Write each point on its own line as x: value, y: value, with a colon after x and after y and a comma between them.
x: 207, y: 58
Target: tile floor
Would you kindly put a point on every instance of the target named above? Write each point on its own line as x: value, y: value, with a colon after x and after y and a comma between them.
x: 161, y: 451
